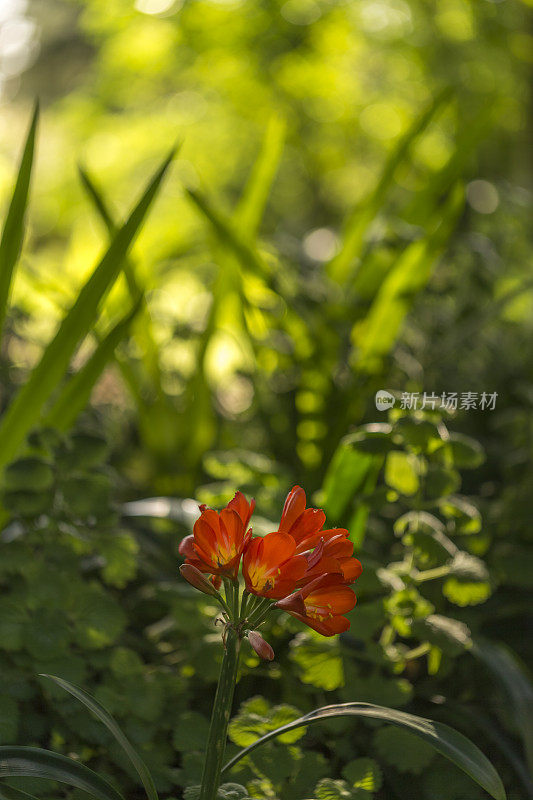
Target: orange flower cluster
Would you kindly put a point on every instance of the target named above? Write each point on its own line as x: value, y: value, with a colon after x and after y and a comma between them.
x: 305, y: 568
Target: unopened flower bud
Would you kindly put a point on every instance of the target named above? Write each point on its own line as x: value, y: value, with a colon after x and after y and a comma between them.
x: 261, y: 647
x: 197, y: 579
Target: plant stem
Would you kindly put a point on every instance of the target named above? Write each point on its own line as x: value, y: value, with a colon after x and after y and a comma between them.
x: 433, y: 574
x: 216, y: 741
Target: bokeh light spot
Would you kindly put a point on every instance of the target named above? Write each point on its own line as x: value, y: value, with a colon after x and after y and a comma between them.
x: 482, y: 196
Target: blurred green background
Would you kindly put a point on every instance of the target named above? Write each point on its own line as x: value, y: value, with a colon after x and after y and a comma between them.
x: 348, y: 211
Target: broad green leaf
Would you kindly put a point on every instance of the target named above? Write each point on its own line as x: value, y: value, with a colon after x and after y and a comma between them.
x: 13, y: 231
x: 27, y: 405
x: 31, y: 473
x: 345, y: 475
x: 467, y: 453
x: 506, y: 667
x: 32, y: 762
x: 445, y: 740
x: 401, y: 472
x: 466, y: 593
x: 403, y: 750
x: 318, y: 661
x: 344, y: 263
x: 100, y: 712
x: 76, y: 394
x: 375, y: 438
x: 364, y: 774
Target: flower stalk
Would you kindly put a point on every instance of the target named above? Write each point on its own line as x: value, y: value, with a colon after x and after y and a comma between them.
x: 216, y: 741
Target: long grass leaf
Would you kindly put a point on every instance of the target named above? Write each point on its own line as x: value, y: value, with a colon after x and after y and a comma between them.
x: 32, y: 762
x: 343, y: 265
x: 251, y: 206
x: 76, y: 394
x: 13, y: 231
x: 376, y: 334
x: 228, y: 234
x: 27, y: 405
x: 106, y: 718
x: 445, y: 740
x: 143, y: 328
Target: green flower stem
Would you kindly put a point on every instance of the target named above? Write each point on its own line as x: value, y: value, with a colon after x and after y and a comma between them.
x: 216, y: 742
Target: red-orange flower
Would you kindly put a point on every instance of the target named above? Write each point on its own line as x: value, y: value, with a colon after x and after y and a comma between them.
x: 321, y: 604
x: 270, y: 566
x: 327, y: 551
x: 297, y: 520
x: 219, y: 539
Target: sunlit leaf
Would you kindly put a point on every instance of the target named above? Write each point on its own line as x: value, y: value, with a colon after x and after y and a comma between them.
x: 13, y: 231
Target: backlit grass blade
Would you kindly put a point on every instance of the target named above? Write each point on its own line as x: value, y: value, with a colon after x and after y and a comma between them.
x: 251, y: 206
x: 104, y: 717
x: 32, y: 762
x: 445, y: 740
x: 27, y: 405
x: 143, y: 328
x: 375, y: 335
x: 342, y: 265
x: 226, y: 231
x: 440, y: 183
x: 76, y: 394
x: 13, y: 231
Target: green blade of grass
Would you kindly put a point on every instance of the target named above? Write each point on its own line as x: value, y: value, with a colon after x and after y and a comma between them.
x: 376, y: 334
x: 13, y: 231
x: 27, y: 405
x: 226, y: 231
x: 143, y: 328
x: 106, y: 718
x: 343, y: 265
x: 77, y: 392
x: 251, y: 207
x: 445, y: 740
x: 32, y: 762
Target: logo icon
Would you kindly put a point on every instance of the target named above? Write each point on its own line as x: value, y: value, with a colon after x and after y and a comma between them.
x: 384, y: 400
